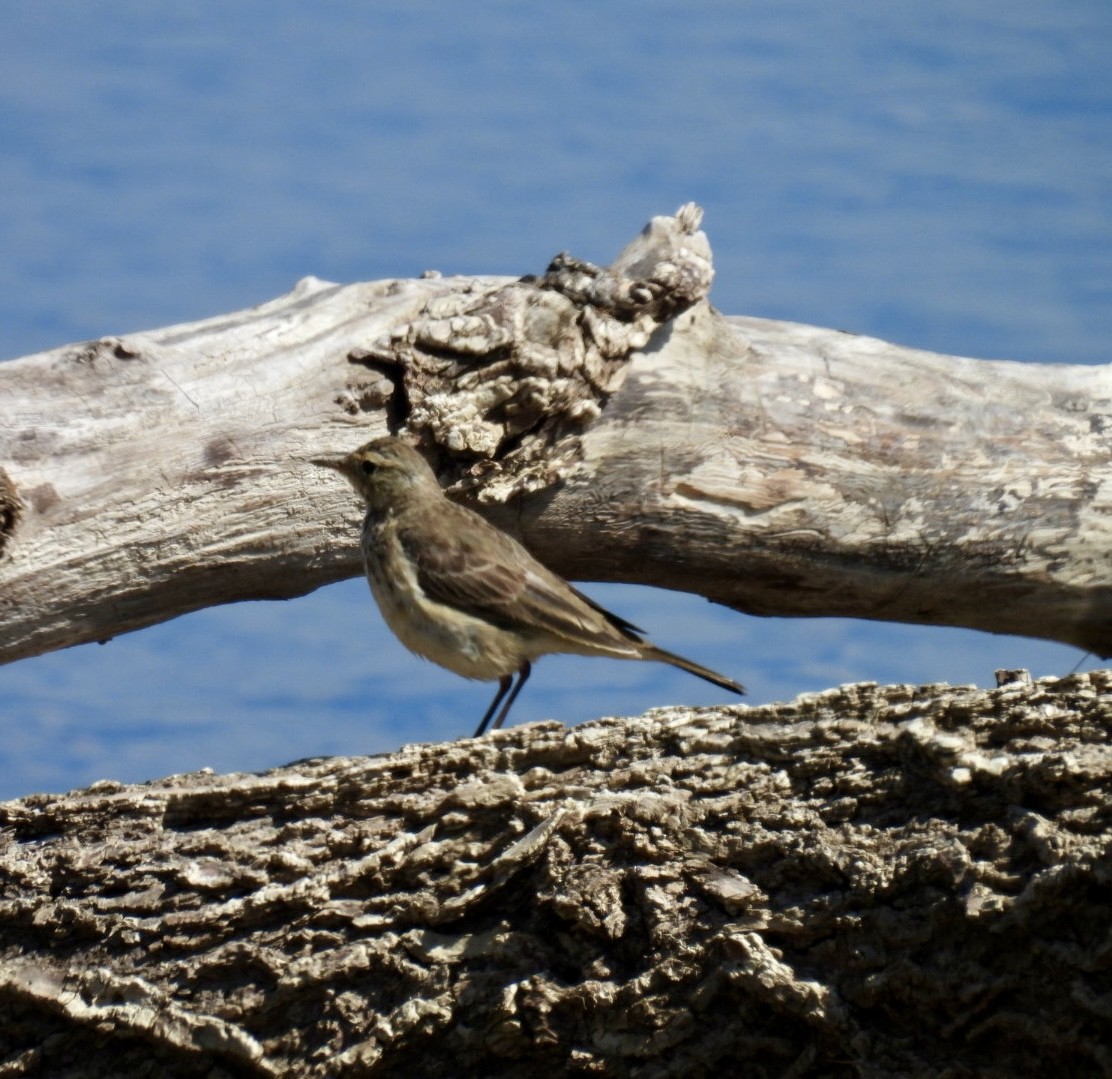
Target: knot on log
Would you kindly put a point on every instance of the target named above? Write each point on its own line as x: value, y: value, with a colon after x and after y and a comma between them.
x: 507, y: 375
x: 11, y: 509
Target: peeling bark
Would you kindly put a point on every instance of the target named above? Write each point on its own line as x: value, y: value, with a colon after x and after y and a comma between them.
x: 611, y: 418
x: 897, y: 881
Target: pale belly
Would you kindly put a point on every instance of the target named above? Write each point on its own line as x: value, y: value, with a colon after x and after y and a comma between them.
x: 468, y: 646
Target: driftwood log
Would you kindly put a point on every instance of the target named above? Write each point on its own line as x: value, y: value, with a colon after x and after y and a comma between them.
x: 869, y: 881
x: 612, y: 419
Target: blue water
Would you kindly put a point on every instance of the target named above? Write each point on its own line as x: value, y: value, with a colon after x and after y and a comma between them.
x: 939, y: 176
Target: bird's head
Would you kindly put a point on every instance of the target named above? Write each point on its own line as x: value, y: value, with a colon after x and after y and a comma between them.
x: 385, y: 473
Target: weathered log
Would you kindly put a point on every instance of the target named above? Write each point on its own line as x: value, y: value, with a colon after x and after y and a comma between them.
x: 611, y: 418
x: 892, y: 881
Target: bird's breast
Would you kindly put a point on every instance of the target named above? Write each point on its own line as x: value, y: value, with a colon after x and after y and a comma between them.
x: 468, y: 646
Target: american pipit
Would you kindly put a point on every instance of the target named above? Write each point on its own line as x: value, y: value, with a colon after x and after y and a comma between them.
x: 458, y: 591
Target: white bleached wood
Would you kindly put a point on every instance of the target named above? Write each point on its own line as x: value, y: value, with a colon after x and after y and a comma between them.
x: 773, y: 467
x: 785, y: 469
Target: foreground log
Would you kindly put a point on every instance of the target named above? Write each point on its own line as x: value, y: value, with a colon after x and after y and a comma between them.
x: 612, y: 419
x: 890, y: 881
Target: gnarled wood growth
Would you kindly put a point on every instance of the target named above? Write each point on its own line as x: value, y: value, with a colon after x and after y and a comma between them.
x: 612, y: 418
x: 884, y: 882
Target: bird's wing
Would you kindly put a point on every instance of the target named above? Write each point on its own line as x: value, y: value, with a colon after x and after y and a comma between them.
x: 478, y: 569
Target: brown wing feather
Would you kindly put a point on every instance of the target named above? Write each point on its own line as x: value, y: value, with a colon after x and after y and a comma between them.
x: 488, y: 574
x: 628, y: 629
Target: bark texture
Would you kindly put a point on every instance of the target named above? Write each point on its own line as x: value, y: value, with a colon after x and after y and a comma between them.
x: 610, y: 417
x: 897, y: 881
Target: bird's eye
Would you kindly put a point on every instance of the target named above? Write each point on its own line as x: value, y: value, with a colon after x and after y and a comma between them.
x: 368, y: 467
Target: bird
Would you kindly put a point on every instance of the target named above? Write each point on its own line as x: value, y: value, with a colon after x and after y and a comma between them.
x: 462, y: 593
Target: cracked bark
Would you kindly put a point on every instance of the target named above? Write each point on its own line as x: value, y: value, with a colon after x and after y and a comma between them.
x: 896, y: 881
x: 611, y: 418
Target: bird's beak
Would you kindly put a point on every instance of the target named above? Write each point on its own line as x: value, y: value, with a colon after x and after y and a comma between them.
x: 334, y: 463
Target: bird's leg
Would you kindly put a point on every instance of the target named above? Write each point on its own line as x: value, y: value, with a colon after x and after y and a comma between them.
x: 503, y: 687
x: 522, y: 675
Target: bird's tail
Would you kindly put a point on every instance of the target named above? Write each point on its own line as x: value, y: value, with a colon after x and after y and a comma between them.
x: 650, y: 651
